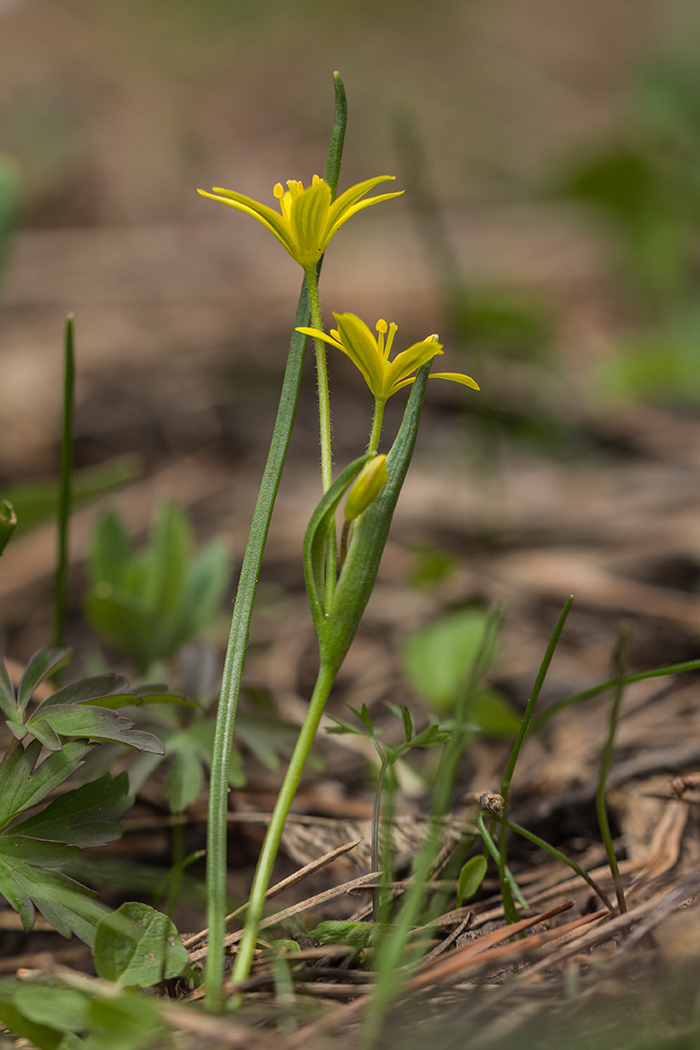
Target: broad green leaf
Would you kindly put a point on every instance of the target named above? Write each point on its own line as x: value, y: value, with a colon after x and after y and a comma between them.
x: 122, y: 619
x: 66, y: 904
x: 111, y: 551
x: 43, y: 1036
x: 61, y: 1008
x: 437, y: 659
x: 42, y: 664
x: 470, y: 878
x: 52, y: 772
x: 7, y: 692
x: 83, y: 817
x: 129, y: 1022
x: 15, y: 772
x: 165, y: 563
x: 8, y: 523
x: 493, y: 713
x: 38, y: 854
x: 137, y: 945
x: 97, y: 687
x: 206, y: 581
x: 94, y: 723
x: 42, y: 731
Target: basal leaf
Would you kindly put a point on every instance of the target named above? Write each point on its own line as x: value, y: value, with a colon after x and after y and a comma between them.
x: 7, y: 692
x: 52, y: 772
x: 94, y: 723
x: 66, y: 904
x: 97, y: 687
x: 137, y: 945
x: 61, y: 1008
x: 43, y: 1036
x: 83, y: 817
x: 42, y: 664
x: 15, y: 772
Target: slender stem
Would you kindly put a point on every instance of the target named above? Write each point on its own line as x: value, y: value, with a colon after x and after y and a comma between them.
x: 376, y: 826
x: 245, y: 596
x: 324, y: 407
x: 233, y: 665
x: 268, y: 855
x: 64, y: 497
x: 554, y: 852
x: 619, y: 657
x: 324, y: 419
x: 520, y: 740
x: 376, y: 425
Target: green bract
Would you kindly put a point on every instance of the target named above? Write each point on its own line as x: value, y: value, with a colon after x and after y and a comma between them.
x: 309, y: 217
x: 371, y: 355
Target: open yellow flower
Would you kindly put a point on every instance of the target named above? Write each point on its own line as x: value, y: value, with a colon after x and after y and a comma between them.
x: 308, y: 218
x: 371, y: 355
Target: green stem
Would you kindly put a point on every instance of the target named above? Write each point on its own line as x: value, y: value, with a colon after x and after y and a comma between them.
x: 268, y: 855
x: 243, y: 606
x: 324, y: 420
x: 64, y: 496
x: 520, y: 740
x: 235, y: 654
x: 619, y: 657
x: 376, y: 425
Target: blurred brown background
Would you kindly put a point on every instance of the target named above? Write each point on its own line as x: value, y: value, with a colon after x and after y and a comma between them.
x: 116, y: 113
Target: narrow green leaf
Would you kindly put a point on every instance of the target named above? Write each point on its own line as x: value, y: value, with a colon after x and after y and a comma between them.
x: 470, y: 878
x: 137, y: 945
x: 359, y: 572
x: 315, y: 540
x: 42, y: 664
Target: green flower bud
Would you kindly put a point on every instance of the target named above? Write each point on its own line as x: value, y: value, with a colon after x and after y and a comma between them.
x: 370, y: 482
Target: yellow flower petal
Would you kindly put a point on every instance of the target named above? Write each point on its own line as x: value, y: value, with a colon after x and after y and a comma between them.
x: 307, y: 219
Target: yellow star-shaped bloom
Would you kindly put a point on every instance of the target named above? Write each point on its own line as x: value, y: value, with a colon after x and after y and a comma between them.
x: 371, y: 355
x: 308, y: 218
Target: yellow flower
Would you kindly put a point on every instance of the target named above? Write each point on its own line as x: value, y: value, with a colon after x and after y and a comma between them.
x: 308, y: 217
x: 371, y: 355
x: 370, y: 482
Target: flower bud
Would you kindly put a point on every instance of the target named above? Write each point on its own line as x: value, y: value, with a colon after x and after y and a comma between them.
x: 370, y: 482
